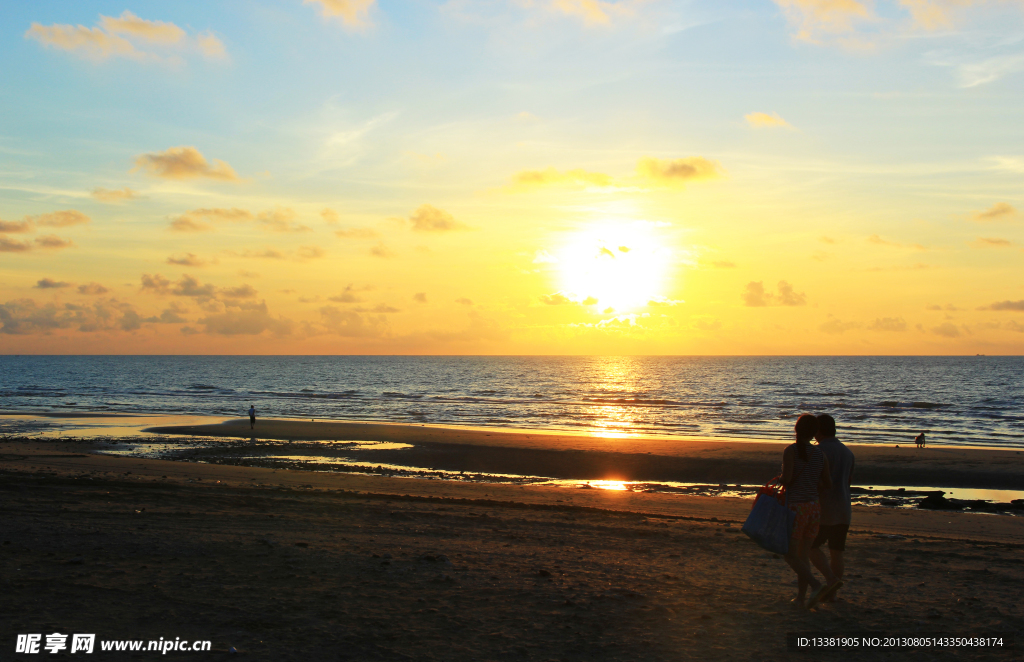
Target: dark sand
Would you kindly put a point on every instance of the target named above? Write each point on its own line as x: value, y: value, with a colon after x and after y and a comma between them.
x: 288, y: 565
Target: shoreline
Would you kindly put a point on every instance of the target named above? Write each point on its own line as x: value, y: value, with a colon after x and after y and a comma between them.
x: 635, y: 459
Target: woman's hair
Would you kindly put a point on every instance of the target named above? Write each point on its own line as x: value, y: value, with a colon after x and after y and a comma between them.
x: 806, y: 427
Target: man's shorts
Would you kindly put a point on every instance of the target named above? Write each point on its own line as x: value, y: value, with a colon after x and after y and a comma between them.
x: 835, y: 534
x: 807, y: 517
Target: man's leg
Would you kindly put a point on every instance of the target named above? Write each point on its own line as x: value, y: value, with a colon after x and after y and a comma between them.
x: 817, y: 558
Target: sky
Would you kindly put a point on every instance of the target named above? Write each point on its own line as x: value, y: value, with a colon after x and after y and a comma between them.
x: 790, y: 177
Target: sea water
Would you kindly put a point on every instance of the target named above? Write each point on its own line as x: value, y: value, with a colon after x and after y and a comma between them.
x: 975, y: 400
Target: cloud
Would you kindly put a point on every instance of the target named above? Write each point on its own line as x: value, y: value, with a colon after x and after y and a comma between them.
x: 16, y: 226
x: 309, y: 253
x: 827, y: 240
x: 766, y: 121
x: 528, y: 179
x: 590, y: 301
x: 170, y: 315
x: 595, y: 12
x: 115, y: 196
x: 789, y: 297
x: 878, y: 241
x: 892, y: 324
x: 49, y: 283
x: 187, y: 260
x: 12, y: 246
x: 813, y: 18
x: 281, y: 219
x: 651, y: 173
x: 130, y: 24
x: 1006, y: 305
x: 60, y: 219
x: 184, y: 162
x: 707, y: 323
x: 330, y: 216
x: 52, y: 241
x: 946, y: 330
x: 246, y: 319
x: 1000, y: 211
x: 674, y: 173
x: 210, y: 46
x: 244, y: 291
x: 464, y: 301
x: 380, y: 250
x: 124, y: 36
x: 356, y: 233
x: 350, y: 324
x: 92, y: 289
x: 155, y: 283
x: 556, y: 299
x: 188, y: 286
x: 348, y: 295
x: 420, y: 297
x: 353, y: 13
x: 427, y: 218
x: 379, y: 308
x: 836, y: 326
x: 198, y: 220
x: 756, y: 296
x: 91, y: 43
x: 992, y: 242
x: 26, y: 317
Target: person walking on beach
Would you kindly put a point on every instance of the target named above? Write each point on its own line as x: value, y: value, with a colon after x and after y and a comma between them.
x: 252, y: 416
x: 836, y: 511
x: 805, y: 472
x: 919, y: 440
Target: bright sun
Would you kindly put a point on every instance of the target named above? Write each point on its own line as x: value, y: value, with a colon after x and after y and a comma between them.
x: 620, y: 265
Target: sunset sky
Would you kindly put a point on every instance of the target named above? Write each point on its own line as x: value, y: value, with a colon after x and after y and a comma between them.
x: 512, y: 177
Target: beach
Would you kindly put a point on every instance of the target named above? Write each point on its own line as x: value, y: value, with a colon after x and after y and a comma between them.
x: 285, y: 564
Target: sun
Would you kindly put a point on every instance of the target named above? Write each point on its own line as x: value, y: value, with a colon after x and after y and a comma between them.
x: 615, y: 265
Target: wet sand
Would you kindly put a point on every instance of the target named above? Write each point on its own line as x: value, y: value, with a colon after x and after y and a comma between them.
x: 560, y: 455
x: 289, y: 565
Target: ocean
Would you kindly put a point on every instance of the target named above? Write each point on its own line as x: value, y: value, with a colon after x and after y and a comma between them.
x: 956, y: 400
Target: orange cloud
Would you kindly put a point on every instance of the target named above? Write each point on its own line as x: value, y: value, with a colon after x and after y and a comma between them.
x: 993, y: 242
x: 281, y: 219
x: 185, y: 162
x: 16, y: 226
x: 50, y: 284
x: 431, y: 219
x: 673, y: 173
x: 198, y: 220
x: 114, y: 196
x: 1001, y: 211
x: 528, y: 179
x: 187, y: 260
x: 755, y: 295
x: 353, y: 13
x: 93, y: 289
x: 123, y: 36
x: 130, y: 24
x: 53, y: 241
x: 60, y: 219
x: 811, y: 18
x: 764, y: 120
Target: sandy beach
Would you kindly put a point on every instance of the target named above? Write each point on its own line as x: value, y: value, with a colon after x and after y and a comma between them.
x: 303, y: 565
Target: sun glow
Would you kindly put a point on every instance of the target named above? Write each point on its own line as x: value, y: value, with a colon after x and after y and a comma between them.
x: 615, y: 267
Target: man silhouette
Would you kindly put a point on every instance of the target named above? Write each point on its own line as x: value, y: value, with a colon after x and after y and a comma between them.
x: 252, y: 416
x: 836, y: 510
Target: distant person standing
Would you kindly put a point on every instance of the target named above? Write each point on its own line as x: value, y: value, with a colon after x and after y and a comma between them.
x: 252, y: 416
x: 836, y: 510
x: 919, y: 440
